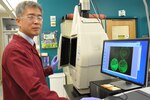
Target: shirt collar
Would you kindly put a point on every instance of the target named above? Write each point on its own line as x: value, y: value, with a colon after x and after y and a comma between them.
x: 30, y: 40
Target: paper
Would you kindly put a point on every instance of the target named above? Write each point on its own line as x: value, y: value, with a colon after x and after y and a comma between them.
x: 49, y: 40
x: 120, y: 32
x: 110, y: 87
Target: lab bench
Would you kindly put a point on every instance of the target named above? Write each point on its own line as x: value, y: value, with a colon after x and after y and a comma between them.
x: 73, y: 94
x: 96, y: 90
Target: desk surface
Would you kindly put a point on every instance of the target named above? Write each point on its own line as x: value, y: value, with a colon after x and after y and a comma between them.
x: 138, y: 94
x: 73, y: 93
x: 147, y: 90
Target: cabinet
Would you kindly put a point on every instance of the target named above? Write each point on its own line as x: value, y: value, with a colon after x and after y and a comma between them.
x: 9, y: 27
x: 57, y: 82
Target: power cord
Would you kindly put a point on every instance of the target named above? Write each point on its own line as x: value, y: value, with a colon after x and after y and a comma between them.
x: 125, y: 96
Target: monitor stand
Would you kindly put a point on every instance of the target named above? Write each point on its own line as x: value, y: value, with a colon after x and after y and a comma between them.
x: 125, y: 85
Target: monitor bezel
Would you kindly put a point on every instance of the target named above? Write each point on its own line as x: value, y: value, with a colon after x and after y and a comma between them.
x: 146, y: 70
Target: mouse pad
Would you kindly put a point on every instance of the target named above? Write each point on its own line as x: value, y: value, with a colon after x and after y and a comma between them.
x: 137, y: 95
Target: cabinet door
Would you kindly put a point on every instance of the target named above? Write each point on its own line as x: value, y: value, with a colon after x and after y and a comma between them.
x: 121, y: 28
x: 9, y: 27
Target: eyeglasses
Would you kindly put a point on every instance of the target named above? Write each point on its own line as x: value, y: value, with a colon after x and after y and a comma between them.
x: 33, y: 17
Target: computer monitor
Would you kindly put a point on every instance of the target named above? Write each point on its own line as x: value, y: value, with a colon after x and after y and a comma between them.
x: 127, y: 60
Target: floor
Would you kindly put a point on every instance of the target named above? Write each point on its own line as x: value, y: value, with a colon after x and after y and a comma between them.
x: 1, y: 93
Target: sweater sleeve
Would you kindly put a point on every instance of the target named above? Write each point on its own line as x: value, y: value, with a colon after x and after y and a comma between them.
x: 22, y: 70
x: 48, y: 71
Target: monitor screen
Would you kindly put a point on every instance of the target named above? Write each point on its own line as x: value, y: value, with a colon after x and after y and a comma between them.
x: 126, y: 59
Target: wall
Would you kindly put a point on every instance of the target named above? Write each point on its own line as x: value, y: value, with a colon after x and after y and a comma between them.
x: 59, y: 8
x: 133, y: 8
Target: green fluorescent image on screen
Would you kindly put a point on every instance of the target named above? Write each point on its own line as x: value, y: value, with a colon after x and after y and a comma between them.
x: 120, y: 59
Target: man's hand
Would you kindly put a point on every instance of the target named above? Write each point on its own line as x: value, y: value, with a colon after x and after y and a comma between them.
x: 90, y: 98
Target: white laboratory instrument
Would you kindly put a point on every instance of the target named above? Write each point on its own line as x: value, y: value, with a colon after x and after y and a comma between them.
x: 82, y: 50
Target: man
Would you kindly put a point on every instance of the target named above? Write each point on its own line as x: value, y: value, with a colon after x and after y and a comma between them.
x: 23, y: 76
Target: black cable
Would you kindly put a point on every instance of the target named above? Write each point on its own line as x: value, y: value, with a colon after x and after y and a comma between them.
x: 120, y: 97
x: 126, y: 96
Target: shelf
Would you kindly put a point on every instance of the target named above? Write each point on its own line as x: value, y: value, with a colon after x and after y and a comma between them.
x: 9, y: 31
x: 9, y: 24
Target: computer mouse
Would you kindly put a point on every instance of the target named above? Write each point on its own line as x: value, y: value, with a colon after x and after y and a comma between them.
x: 113, y: 98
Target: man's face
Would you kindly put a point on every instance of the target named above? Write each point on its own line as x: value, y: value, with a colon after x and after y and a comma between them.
x: 30, y: 22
